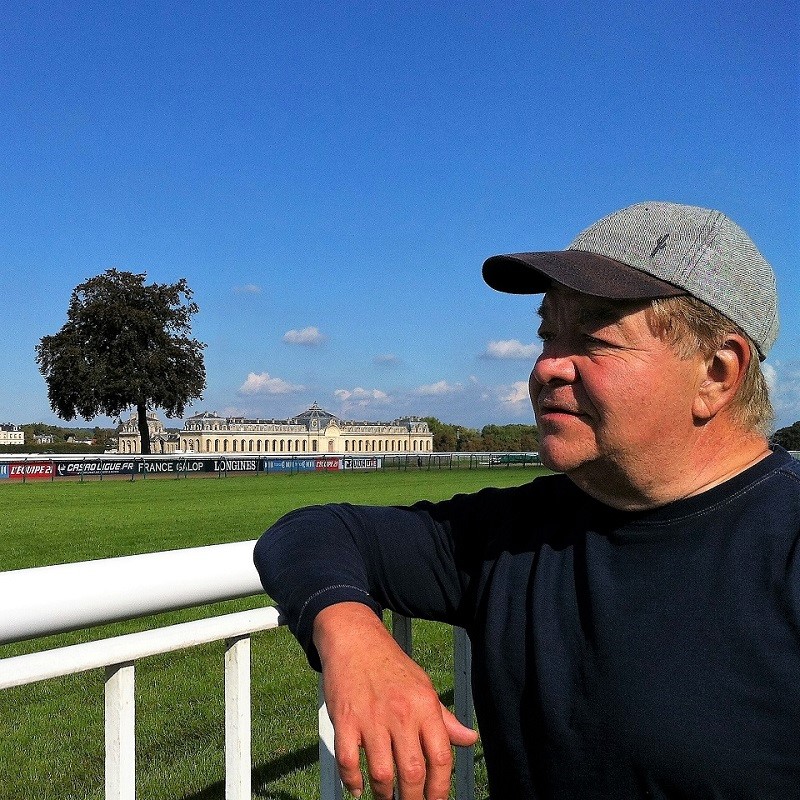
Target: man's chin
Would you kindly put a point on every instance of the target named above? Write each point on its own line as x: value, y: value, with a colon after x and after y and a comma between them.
x: 559, y: 457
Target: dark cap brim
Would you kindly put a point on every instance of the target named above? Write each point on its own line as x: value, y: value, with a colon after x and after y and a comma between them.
x: 588, y: 273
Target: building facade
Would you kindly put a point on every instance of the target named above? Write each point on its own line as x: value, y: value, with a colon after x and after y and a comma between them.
x: 11, y: 434
x: 313, y: 431
x: 161, y: 441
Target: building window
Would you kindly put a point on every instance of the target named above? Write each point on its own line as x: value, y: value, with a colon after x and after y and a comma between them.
x: 314, y: 445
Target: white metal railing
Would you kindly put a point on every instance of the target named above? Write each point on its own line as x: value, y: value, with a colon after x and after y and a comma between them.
x: 47, y: 600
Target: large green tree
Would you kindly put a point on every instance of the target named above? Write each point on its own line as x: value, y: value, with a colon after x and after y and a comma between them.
x: 125, y: 344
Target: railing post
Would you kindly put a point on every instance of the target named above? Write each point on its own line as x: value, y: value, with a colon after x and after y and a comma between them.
x: 401, y: 631
x: 330, y: 786
x: 120, y: 732
x: 238, y: 763
x: 462, y: 691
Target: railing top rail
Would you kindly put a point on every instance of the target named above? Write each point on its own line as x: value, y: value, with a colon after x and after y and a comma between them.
x: 45, y: 600
x: 43, y: 665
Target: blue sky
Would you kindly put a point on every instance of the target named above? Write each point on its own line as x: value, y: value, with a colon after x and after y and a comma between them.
x: 329, y: 178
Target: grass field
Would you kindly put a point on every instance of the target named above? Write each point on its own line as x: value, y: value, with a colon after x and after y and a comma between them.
x: 51, y: 734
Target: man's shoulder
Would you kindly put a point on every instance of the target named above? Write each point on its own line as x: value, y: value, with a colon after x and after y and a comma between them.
x: 781, y: 466
x: 550, y: 486
x: 785, y: 460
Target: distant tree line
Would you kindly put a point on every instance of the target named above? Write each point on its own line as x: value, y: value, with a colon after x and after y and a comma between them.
x: 65, y: 440
x: 491, y: 438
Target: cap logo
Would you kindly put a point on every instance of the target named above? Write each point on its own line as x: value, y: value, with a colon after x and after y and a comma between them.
x: 661, y: 243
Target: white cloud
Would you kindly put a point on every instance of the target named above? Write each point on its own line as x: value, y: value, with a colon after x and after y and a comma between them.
x: 309, y: 337
x: 386, y: 360
x: 438, y: 389
x: 248, y: 288
x: 515, y: 395
x: 360, y: 396
x: 783, y: 380
x: 264, y: 383
x: 771, y: 377
x: 512, y: 349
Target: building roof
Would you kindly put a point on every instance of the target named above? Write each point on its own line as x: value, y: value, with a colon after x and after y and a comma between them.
x: 315, y: 417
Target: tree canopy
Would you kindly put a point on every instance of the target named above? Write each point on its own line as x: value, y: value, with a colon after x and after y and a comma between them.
x: 513, y: 438
x: 789, y: 437
x: 124, y: 344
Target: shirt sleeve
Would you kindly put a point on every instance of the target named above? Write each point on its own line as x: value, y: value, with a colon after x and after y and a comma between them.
x: 418, y: 560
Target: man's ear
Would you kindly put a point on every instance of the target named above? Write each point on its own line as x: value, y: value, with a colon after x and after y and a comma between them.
x: 724, y: 372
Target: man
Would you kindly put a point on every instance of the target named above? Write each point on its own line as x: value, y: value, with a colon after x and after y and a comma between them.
x: 635, y: 619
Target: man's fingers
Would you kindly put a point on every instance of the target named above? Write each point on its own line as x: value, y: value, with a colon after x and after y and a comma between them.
x: 459, y: 734
x: 347, y: 748
x: 421, y: 764
x: 380, y: 765
x: 439, y: 762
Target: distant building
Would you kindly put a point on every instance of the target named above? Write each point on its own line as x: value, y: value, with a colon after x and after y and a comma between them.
x: 313, y: 431
x: 44, y: 438
x: 161, y: 441
x: 11, y: 434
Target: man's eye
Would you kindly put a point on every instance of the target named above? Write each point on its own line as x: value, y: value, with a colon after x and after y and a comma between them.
x: 593, y: 342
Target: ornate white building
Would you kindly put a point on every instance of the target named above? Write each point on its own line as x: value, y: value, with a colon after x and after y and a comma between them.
x: 161, y: 441
x: 313, y: 431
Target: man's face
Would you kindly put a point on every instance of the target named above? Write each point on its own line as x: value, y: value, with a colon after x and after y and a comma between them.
x: 609, y: 396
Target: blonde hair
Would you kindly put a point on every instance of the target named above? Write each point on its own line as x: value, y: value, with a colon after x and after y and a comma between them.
x: 691, y: 326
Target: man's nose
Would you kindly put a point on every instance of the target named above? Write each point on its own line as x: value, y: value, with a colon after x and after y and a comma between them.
x: 554, y: 365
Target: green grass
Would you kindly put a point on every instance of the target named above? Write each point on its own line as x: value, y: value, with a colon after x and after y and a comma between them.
x: 51, y: 733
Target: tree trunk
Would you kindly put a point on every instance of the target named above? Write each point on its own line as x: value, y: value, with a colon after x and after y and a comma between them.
x: 144, y: 430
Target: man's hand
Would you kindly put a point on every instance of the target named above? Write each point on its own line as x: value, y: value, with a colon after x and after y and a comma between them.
x: 381, y: 701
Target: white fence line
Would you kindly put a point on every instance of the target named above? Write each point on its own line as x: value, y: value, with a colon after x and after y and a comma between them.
x: 64, y: 597
x: 46, y: 600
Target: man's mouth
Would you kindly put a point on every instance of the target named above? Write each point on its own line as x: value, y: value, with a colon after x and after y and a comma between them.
x: 548, y: 408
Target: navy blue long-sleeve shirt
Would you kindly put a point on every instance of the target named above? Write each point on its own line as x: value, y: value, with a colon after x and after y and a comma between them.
x: 615, y: 655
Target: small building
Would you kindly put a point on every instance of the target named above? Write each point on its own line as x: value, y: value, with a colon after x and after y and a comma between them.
x: 313, y: 431
x: 44, y: 438
x: 11, y: 434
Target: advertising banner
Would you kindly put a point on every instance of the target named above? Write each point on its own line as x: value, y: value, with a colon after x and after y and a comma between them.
x: 3, y: 472
x: 321, y: 464
x: 74, y: 469
x: 31, y: 470
x: 361, y: 463
x: 235, y: 465
x: 289, y: 465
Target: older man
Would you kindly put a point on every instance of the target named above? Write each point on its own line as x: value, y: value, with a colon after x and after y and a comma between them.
x: 635, y: 620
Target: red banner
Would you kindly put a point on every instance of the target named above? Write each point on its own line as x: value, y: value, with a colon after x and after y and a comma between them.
x: 30, y: 470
